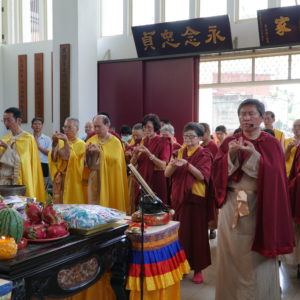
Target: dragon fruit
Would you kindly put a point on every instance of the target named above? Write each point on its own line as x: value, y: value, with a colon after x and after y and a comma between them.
x: 36, y: 231
x: 2, y: 205
x: 50, y: 215
x: 33, y: 213
x: 57, y: 230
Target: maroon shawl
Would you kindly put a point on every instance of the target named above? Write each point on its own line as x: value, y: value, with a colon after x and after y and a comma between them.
x: 294, y: 187
x: 159, y: 146
x: 182, y: 179
x: 212, y: 146
x: 273, y: 234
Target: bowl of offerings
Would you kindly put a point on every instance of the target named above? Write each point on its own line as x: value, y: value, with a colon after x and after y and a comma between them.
x: 12, y: 190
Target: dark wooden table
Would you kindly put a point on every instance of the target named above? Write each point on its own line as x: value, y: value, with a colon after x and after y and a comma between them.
x: 65, y: 267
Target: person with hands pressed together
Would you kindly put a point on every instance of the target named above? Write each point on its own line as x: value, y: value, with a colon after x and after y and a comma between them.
x: 255, y: 218
x: 19, y: 157
x: 152, y: 156
x: 106, y: 168
x: 190, y: 171
x: 66, y: 162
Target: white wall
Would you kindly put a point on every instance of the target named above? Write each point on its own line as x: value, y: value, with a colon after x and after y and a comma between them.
x: 1, y: 89
x: 10, y: 79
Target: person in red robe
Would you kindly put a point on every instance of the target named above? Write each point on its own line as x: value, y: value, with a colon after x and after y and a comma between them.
x: 190, y: 171
x: 167, y: 130
x: 208, y: 142
x: 255, y: 224
x: 294, y: 194
x: 152, y: 156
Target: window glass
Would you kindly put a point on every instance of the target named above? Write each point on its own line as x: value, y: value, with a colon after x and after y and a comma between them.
x: 248, y: 9
x: 111, y: 17
x: 142, y: 12
x: 213, y: 8
x: 177, y: 10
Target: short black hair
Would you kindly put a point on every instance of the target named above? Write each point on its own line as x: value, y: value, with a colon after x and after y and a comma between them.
x: 165, y: 121
x: 125, y: 129
x: 154, y: 119
x: 270, y: 131
x: 270, y: 113
x: 259, y: 105
x: 221, y: 128
x: 15, y: 112
x: 206, y: 127
x: 199, y: 129
x: 37, y: 119
x: 237, y: 130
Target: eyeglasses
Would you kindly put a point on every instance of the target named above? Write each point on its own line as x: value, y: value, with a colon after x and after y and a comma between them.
x: 68, y: 127
x: 189, y: 136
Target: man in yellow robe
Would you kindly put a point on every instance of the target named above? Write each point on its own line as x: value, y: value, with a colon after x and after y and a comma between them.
x: 290, y: 146
x: 19, y: 157
x: 66, y: 162
x: 107, y: 183
x: 269, y: 119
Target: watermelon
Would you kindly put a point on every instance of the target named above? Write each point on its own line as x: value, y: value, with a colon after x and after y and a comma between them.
x: 11, y: 224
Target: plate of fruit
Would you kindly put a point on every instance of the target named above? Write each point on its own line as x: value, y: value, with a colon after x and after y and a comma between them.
x: 44, y: 224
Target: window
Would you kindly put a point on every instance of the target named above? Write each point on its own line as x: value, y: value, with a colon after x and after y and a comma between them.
x: 176, y: 10
x: 142, y: 12
x: 49, y: 19
x: 287, y: 3
x: 111, y: 17
x: 248, y: 8
x: 30, y: 21
x: 213, y: 8
x: 273, y: 79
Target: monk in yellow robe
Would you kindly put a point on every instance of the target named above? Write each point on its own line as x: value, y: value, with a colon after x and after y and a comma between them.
x: 107, y: 181
x: 269, y: 119
x: 66, y: 162
x: 19, y: 157
x: 290, y: 146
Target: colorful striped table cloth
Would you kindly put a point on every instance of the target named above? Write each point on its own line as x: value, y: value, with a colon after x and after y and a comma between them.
x: 165, y: 263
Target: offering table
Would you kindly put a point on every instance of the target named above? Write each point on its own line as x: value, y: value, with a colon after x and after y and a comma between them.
x: 65, y: 267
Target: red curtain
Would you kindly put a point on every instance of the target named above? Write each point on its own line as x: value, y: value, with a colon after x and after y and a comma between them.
x: 170, y: 88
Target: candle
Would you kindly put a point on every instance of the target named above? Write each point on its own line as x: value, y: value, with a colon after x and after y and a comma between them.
x: 8, y: 247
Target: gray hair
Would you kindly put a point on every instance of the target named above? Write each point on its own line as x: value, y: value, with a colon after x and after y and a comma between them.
x: 76, y: 121
x: 169, y: 128
x: 137, y: 126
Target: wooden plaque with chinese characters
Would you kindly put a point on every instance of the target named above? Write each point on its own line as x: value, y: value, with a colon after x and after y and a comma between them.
x: 22, y: 82
x: 39, y: 84
x: 279, y: 26
x: 180, y: 37
x: 65, y: 56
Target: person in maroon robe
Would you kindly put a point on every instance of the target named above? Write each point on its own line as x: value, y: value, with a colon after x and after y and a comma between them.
x: 190, y: 171
x: 208, y: 142
x: 255, y: 220
x: 167, y: 130
x: 152, y: 156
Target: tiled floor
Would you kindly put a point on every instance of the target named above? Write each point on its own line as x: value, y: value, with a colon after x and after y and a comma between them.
x: 206, y: 291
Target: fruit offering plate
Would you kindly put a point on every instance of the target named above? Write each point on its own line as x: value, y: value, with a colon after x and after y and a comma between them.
x: 48, y: 239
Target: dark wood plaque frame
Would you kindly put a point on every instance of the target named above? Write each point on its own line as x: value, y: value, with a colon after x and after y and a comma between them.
x: 39, y: 84
x: 65, y: 57
x: 22, y: 84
